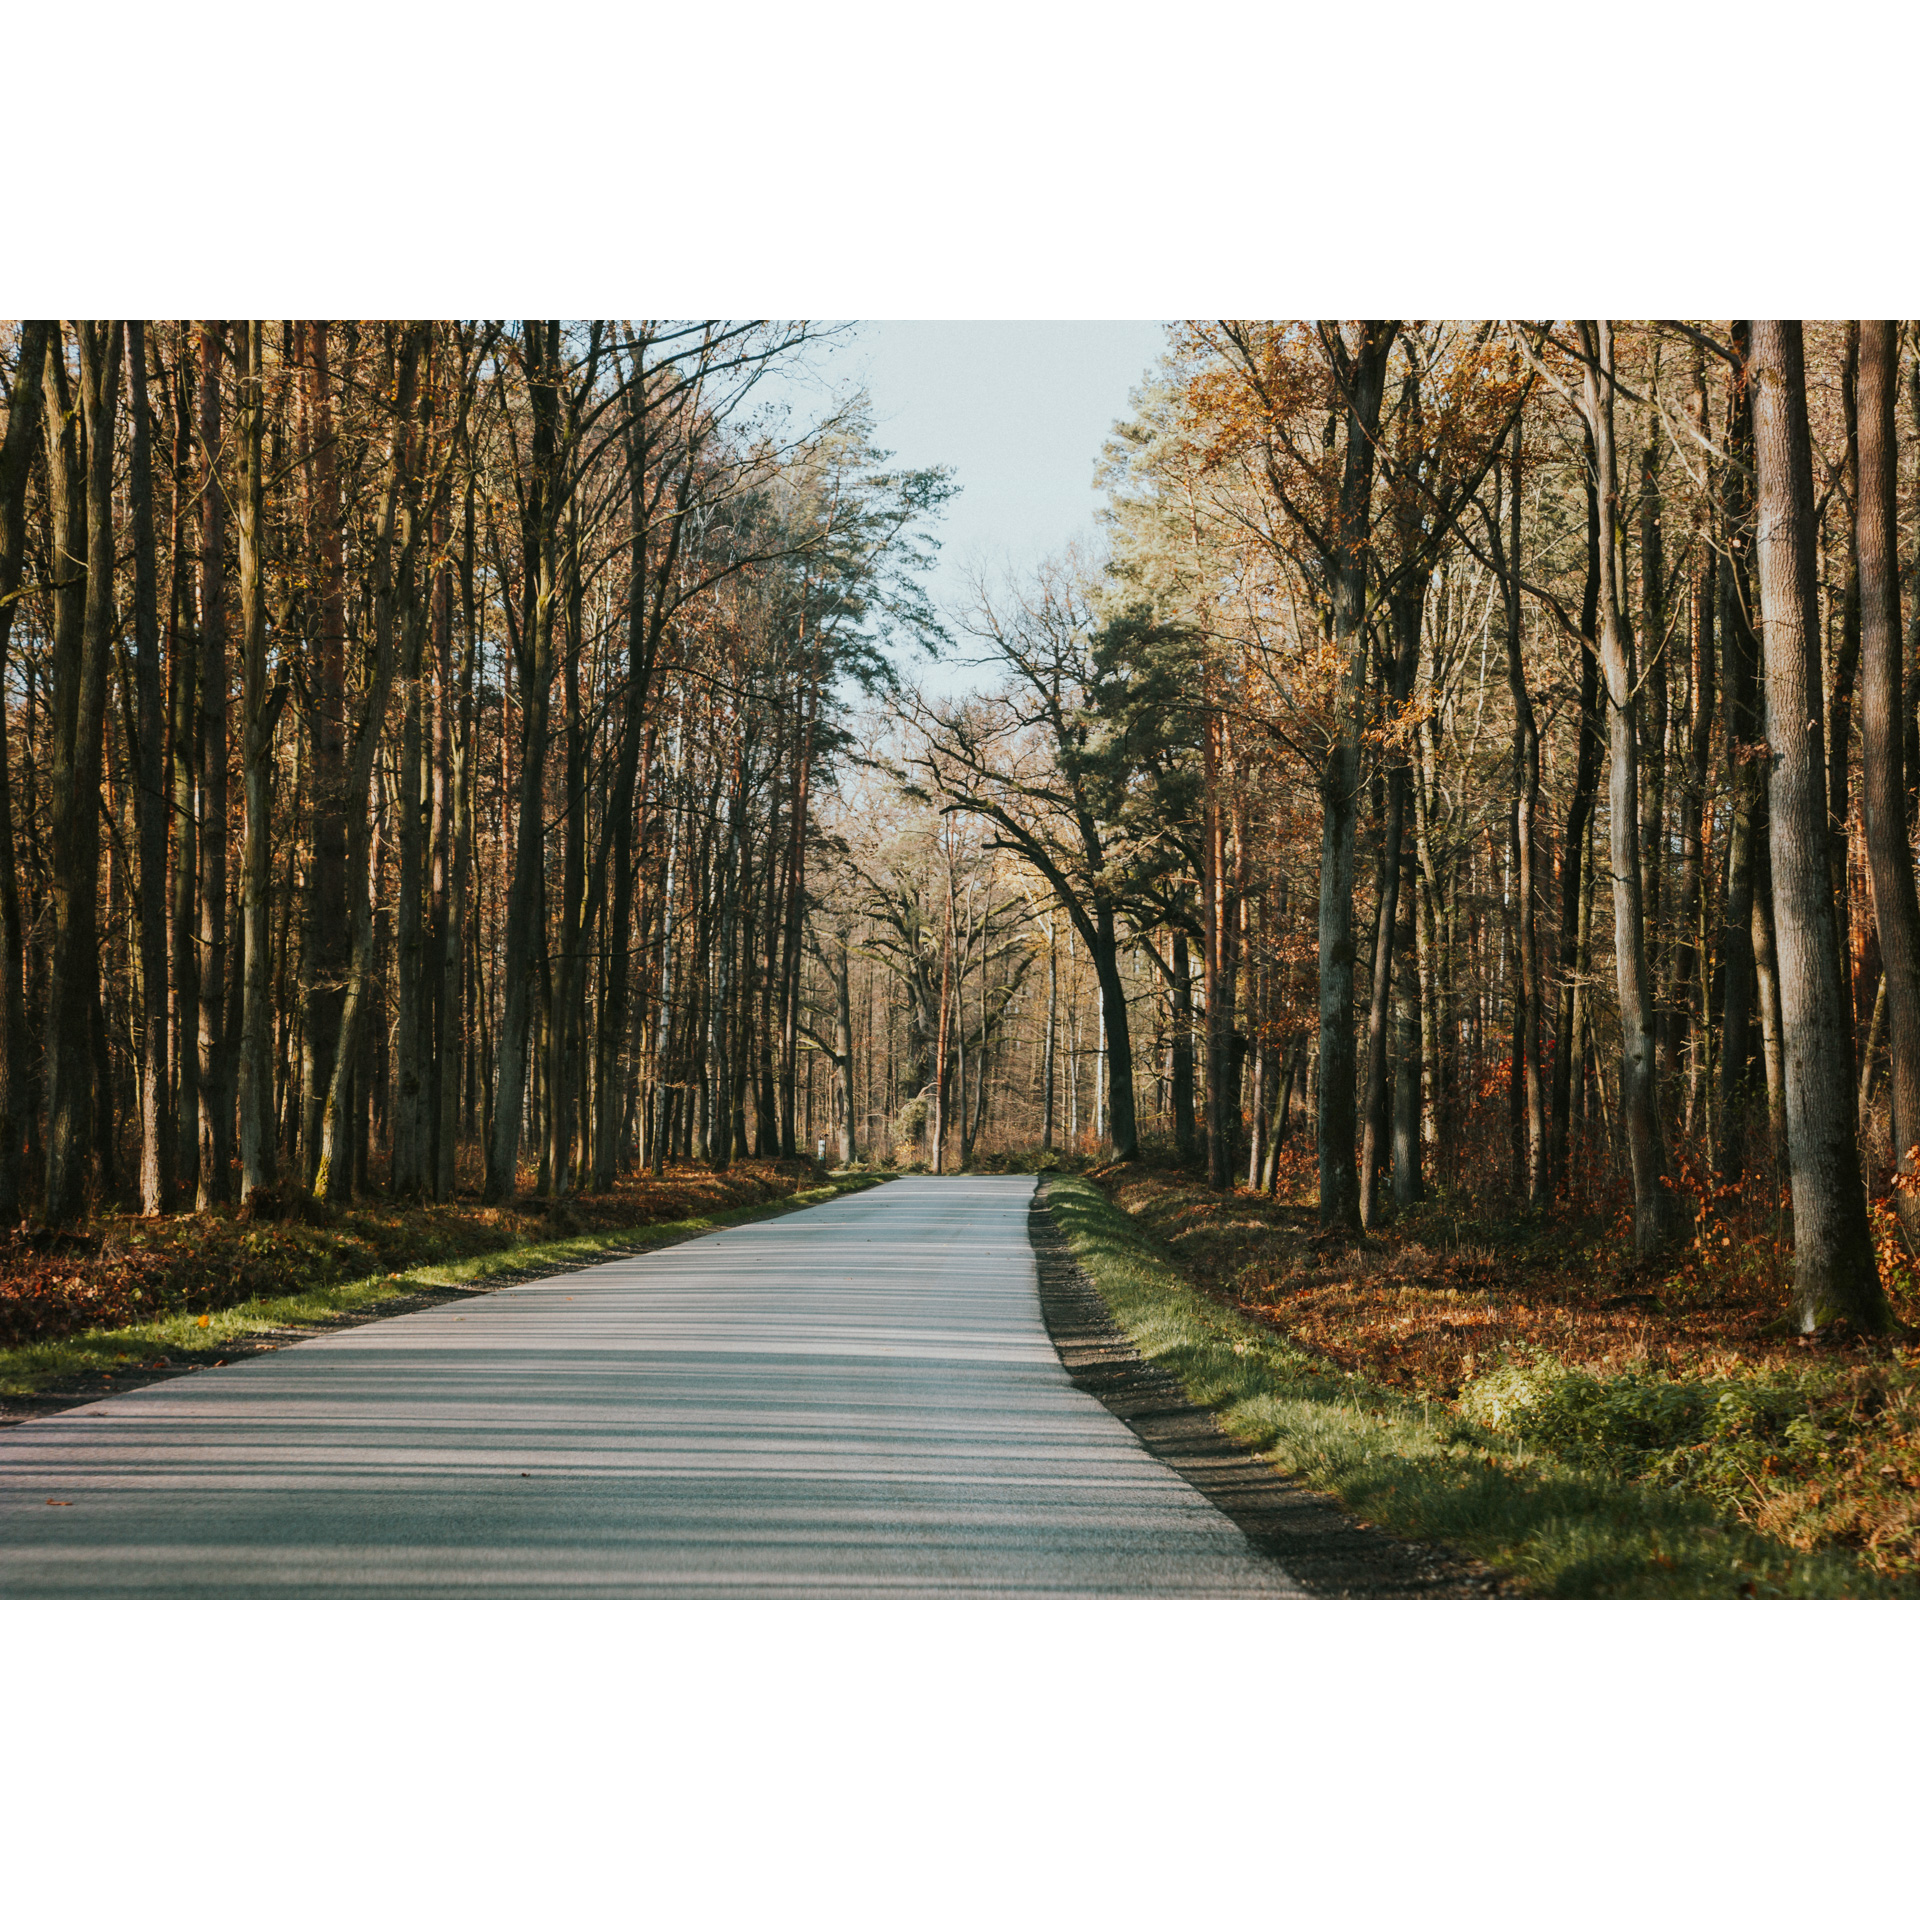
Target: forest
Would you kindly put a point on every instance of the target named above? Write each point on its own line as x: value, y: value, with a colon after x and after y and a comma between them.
x: 506, y: 759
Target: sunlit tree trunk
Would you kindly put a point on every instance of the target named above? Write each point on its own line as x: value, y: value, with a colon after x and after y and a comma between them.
x: 1406, y: 603
x: 1882, y: 722
x: 1834, y: 1273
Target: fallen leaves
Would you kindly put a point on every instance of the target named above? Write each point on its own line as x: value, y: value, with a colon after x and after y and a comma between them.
x: 54, y: 1286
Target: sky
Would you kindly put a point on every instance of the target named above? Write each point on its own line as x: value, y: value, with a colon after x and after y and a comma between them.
x: 1019, y: 409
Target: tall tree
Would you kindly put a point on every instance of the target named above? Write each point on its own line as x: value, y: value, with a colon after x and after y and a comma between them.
x: 16, y: 460
x: 257, y: 721
x: 1883, y: 707
x: 216, y: 1103
x: 150, y: 794
x: 1835, y: 1277
x: 395, y: 540
x: 541, y: 503
x: 1639, y: 1090
x: 80, y: 697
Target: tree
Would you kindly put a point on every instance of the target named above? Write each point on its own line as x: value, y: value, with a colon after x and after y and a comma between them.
x: 1020, y: 759
x: 1883, y: 709
x: 16, y: 455
x: 1835, y: 1278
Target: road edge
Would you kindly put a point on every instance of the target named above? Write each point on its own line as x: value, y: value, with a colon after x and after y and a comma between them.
x: 1307, y: 1533
x: 170, y: 1359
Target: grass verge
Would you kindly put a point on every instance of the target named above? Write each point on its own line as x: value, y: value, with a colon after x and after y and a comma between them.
x: 110, y: 1353
x: 1420, y: 1470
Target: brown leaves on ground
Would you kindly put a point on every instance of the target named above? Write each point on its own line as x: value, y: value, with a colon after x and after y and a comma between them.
x: 1427, y: 1305
x: 130, y: 1269
x: 1438, y: 1299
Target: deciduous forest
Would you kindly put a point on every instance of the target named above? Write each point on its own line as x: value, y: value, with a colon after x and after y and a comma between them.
x: 1462, y: 815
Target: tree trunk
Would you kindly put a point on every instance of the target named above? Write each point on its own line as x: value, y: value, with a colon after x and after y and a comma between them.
x: 150, y: 798
x: 344, y: 1125
x: 1834, y: 1274
x: 183, y: 728
x: 1845, y: 663
x: 82, y: 652
x: 525, y: 930
x: 1639, y: 1092
x: 1746, y: 774
x: 16, y: 461
x: 1689, y: 968
x: 1216, y: 908
x: 216, y: 1103
x: 1537, y: 1180
x: 256, y: 1060
x: 1366, y: 345
x: 1576, y: 861
x: 1047, y: 1070
x: 327, y: 930
x: 1896, y: 906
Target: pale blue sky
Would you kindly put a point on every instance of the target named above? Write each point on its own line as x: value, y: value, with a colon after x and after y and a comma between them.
x: 1020, y: 409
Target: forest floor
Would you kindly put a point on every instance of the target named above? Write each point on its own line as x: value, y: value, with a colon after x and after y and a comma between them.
x: 1548, y: 1339
x: 82, y: 1314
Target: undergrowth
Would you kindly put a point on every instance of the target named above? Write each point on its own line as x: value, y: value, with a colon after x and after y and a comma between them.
x: 203, y: 1324
x: 1552, y: 1523
x: 1675, y: 1374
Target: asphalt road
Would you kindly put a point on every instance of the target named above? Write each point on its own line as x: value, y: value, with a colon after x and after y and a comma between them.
x: 856, y: 1400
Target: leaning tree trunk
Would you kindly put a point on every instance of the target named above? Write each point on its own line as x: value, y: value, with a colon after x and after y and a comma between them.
x: 1834, y: 1273
x: 1639, y: 1093
x: 1882, y: 724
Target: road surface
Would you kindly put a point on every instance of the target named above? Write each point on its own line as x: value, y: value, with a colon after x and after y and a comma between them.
x: 856, y: 1400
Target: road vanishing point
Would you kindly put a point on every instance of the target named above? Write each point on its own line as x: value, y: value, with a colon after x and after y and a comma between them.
x: 857, y: 1400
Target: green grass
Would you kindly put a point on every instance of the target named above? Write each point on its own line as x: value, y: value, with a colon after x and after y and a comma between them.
x: 27, y: 1369
x: 1419, y: 1470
